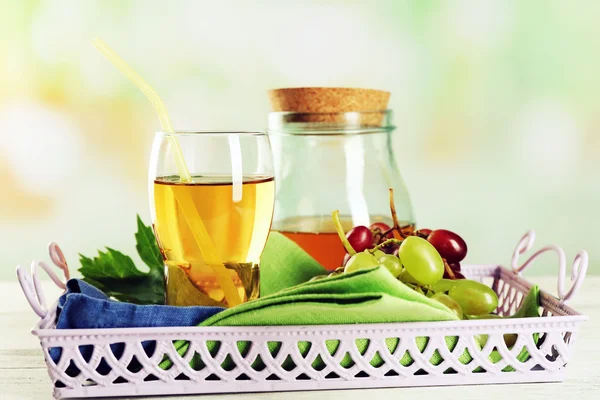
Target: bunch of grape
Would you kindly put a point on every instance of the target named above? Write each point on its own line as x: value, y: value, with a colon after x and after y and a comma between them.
x: 427, y: 261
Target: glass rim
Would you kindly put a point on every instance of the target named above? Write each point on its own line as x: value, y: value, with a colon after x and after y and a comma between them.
x: 214, y: 132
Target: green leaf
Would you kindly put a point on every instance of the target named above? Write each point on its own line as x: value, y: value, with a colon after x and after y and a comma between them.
x: 95, y: 283
x: 109, y: 264
x: 87, y: 266
x: 117, y: 276
x: 144, y: 290
x: 147, y: 247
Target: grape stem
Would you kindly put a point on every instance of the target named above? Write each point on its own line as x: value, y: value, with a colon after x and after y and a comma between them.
x: 396, y: 226
x: 448, y: 269
x: 385, y: 243
x: 378, y: 235
x: 335, y: 216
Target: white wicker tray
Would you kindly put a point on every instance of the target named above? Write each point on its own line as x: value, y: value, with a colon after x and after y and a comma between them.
x: 292, y: 365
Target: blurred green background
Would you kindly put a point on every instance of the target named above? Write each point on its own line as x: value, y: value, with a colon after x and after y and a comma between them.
x: 496, y: 104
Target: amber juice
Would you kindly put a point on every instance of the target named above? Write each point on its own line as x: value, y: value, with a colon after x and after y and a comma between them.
x: 318, y: 237
x: 238, y: 230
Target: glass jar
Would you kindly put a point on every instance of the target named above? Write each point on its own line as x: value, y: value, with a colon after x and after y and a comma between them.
x: 334, y: 161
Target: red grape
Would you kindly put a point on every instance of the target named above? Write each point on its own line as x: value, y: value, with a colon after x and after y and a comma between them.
x: 360, y: 238
x: 450, y: 246
x: 424, y: 232
x: 381, y: 228
x: 457, y: 275
x: 454, y: 266
x: 391, y: 249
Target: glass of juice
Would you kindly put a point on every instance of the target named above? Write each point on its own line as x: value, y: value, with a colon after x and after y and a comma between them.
x: 230, y: 196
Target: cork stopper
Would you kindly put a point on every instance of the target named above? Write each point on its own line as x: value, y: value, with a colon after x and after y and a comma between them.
x: 322, y: 104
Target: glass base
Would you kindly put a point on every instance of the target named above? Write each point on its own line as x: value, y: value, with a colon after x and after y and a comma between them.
x: 184, y: 288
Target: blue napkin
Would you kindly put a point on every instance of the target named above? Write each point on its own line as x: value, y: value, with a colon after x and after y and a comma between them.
x: 85, y: 307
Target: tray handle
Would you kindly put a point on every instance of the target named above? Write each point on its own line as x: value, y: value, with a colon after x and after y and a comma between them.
x: 578, y: 269
x: 30, y: 283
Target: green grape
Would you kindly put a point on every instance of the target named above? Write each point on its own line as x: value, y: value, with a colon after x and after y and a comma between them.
x: 407, y: 278
x: 392, y: 263
x: 317, y: 277
x: 484, y: 316
x: 443, y: 285
x: 473, y: 297
x: 378, y: 253
x: 360, y: 261
x: 421, y: 260
x: 448, y: 302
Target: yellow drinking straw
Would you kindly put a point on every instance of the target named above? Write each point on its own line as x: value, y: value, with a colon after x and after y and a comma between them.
x: 159, y: 106
x: 207, y: 248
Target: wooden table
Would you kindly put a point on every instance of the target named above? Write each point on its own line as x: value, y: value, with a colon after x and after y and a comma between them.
x: 23, y: 373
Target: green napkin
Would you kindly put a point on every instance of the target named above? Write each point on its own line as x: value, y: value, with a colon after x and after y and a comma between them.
x: 365, y: 296
x: 284, y: 264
